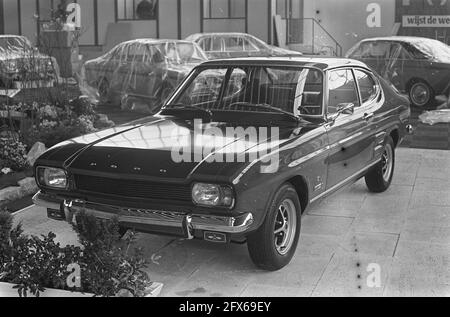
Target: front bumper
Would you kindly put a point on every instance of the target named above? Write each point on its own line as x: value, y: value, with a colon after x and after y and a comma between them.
x: 187, y: 224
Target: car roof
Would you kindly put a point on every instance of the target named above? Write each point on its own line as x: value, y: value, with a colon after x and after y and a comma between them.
x: 199, y: 35
x: 156, y: 41
x: 322, y: 63
x: 406, y: 39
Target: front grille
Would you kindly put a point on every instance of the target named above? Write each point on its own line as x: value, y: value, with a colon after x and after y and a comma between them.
x: 133, y: 188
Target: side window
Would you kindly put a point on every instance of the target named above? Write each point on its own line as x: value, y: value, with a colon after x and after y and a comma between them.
x: 248, y: 46
x: 233, y: 44
x: 156, y: 56
x: 119, y: 53
x: 216, y: 44
x: 131, y: 52
x: 375, y: 50
x: 367, y: 85
x: 415, y: 53
x: 205, y: 44
x: 341, y: 89
x: 357, y: 51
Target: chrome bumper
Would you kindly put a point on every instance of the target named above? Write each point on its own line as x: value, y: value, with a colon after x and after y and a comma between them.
x: 188, y: 223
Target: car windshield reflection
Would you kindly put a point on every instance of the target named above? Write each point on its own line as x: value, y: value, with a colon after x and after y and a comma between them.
x: 295, y: 91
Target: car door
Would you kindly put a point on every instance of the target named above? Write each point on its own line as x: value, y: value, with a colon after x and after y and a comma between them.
x: 351, y: 147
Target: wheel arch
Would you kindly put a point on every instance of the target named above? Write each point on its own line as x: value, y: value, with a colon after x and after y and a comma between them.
x: 395, y: 135
x: 301, y: 187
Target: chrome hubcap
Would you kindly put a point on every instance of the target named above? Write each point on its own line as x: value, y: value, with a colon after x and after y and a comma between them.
x: 387, y: 163
x: 420, y: 94
x: 285, y: 226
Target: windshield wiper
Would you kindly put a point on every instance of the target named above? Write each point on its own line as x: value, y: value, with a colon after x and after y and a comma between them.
x: 188, y: 107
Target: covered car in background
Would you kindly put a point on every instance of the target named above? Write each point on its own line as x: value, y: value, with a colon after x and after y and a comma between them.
x: 141, y: 71
x: 418, y: 66
x: 23, y: 66
x: 228, y: 45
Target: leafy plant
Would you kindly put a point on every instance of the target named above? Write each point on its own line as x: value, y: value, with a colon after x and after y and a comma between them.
x: 107, y: 266
x: 13, y: 154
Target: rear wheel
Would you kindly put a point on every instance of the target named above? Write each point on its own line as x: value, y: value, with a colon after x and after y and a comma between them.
x: 380, y: 177
x: 420, y: 93
x: 273, y: 245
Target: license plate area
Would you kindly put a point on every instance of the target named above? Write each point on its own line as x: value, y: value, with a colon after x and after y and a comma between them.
x: 56, y: 214
x: 216, y: 237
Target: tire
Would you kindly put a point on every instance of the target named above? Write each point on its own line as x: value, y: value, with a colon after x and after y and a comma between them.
x: 265, y: 246
x: 420, y: 94
x: 379, y: 179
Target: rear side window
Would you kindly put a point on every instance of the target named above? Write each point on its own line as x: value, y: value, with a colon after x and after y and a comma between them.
x: 248, y: 46
x: 367, y: 85
x: 341, y: 89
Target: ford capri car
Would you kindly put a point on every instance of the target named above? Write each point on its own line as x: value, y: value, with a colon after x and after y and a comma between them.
x: 144, y: 70
x: 229, y: 45
x: 417, y: 66
x: 235, y: 162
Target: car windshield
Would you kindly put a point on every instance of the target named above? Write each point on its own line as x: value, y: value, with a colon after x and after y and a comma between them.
x: 182, y: 53
x: 13, y: 44
x: 293, y: 90
x: 433, y: 49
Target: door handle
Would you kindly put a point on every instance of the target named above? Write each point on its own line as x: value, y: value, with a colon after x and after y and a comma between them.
x: 368, y: 116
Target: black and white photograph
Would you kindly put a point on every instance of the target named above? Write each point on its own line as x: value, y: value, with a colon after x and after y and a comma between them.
x: 224, y: 154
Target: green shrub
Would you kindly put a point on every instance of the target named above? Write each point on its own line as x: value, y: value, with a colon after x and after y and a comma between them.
x: 13, y: 154
x: 107, y: 266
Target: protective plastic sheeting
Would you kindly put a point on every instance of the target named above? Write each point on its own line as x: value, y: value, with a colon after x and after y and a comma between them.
x: 22, y: 66
x: 434, y: 117
x: 140, y: 74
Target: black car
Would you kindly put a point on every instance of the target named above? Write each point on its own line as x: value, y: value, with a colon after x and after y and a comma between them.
x: 227, y: 163
x: 417, y: 66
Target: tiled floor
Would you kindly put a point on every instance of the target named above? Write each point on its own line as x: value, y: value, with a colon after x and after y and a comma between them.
x: 404, y: 232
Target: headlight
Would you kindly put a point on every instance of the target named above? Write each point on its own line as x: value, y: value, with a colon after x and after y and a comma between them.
x: 52, y: 177
x: 212, y: 195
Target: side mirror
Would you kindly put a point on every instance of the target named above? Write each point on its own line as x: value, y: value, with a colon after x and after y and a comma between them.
x: 342, y: 108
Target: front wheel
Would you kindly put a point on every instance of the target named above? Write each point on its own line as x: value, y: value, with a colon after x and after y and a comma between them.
x: 380, y: 177
x: 273, y: 245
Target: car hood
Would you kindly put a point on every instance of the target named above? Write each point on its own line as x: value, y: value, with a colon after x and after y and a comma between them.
x: 164, y: 147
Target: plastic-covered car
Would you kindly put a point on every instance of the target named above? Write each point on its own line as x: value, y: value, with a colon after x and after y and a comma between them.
x: 415, y: 65
x: 23, y: 66
x: 229, y: 45
x: 144, y: 69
